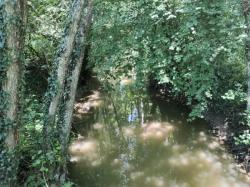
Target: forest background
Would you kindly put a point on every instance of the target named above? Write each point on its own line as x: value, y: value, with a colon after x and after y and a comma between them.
x: 197, y: 50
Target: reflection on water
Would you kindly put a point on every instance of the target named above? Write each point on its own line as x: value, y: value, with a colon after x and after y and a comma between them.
x: 133, y: 140
x: 156, y: 131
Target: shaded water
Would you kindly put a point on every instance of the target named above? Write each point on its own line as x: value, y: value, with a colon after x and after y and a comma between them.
x: 129, y: 138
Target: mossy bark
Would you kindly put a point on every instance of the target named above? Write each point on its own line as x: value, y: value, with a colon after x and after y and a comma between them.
x: 14, y: 19
x: 59, y: 69
x: 73, y: 76
x: 56, y: 92
x: 66, y: 112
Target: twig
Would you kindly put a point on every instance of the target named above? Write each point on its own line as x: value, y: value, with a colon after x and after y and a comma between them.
x: 46, y: 184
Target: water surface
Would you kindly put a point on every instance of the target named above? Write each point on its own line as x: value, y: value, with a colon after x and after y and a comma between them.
x: 130, y: 138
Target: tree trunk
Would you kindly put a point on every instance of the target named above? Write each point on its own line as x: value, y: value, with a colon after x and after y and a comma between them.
x: 60, y: 65
x: 246, y: 10
x: 73, y: 77
x: 66, y: 112
x: 13, y: 18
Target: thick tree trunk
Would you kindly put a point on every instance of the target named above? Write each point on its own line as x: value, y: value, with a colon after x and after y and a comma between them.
x: 60, y: 65
x: 66, y: 112
x: 14, y: 16
x: 12, y: 84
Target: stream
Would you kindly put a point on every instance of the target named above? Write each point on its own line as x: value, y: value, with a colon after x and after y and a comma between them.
x: 136, y: 138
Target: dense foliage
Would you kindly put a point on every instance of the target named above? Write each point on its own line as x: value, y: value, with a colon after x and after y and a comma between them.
x: 195, y: 48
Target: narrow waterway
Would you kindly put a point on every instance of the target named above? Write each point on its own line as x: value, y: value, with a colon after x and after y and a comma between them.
x: 130, y: 138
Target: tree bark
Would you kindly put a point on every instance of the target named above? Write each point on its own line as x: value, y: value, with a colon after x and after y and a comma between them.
x: 14, y: 19
x: 60, y: 65
x: 71, y: 86
x: 66, y: 112
x: 246, y: 11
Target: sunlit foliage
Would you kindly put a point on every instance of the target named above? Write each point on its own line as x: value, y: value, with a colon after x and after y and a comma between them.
x: 196, y: 47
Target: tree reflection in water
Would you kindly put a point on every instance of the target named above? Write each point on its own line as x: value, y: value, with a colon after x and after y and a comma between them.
x: 139, y: 141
